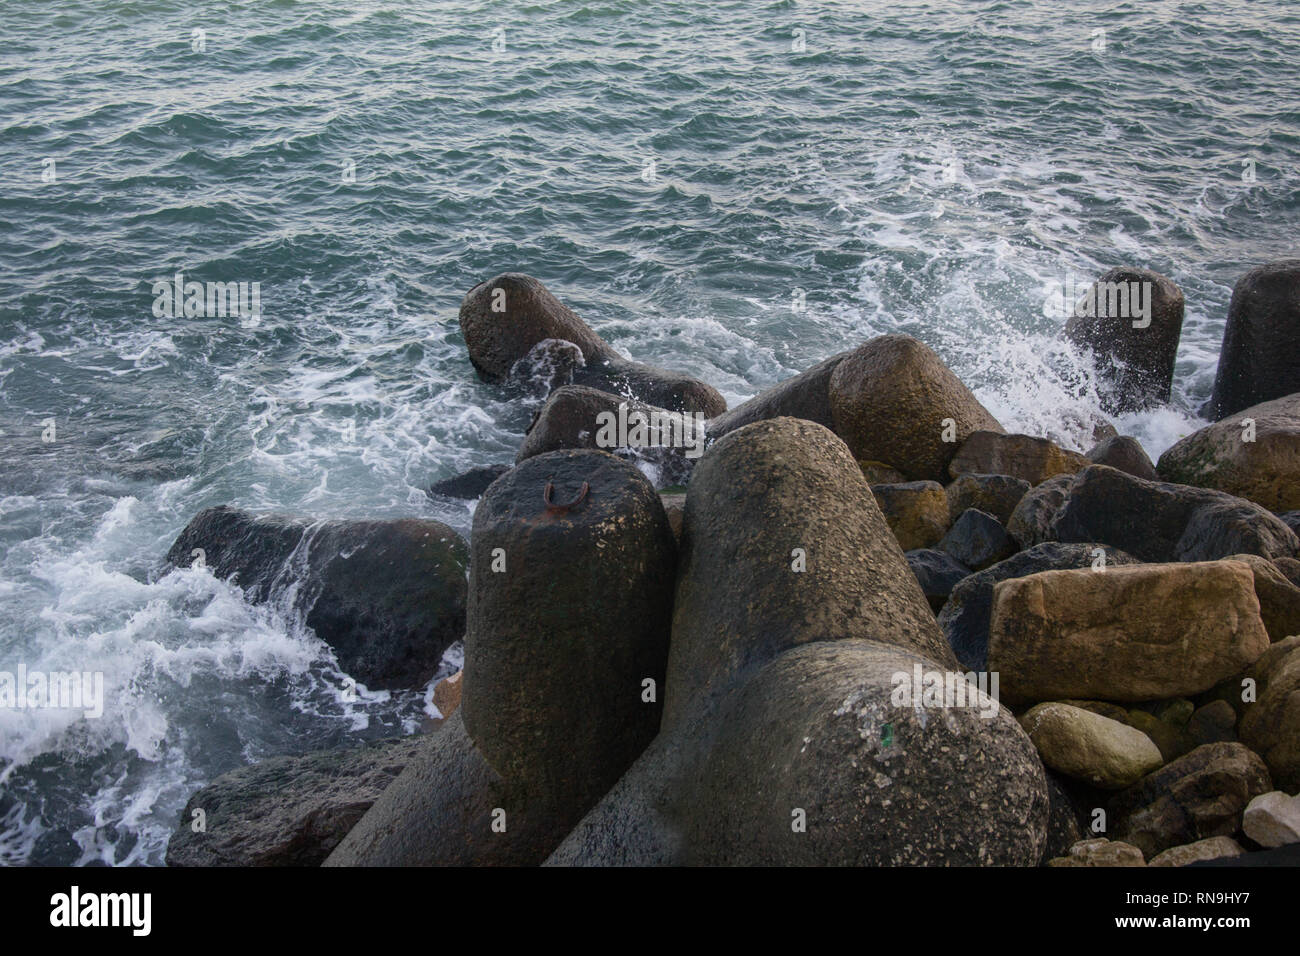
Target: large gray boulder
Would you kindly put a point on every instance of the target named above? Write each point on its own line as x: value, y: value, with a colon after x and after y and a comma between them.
x: 817, y: 737
x: 387, y: 596
x: 564, y: 637
x: 504, y: 318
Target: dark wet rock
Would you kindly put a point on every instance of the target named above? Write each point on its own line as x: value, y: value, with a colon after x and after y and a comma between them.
x: 937, y: 573
x: 1260, y: 357
x: 916, y: 511
x: 1131, y: 319
x: 878, y: 473
x: 1279, y: 599
x: 565, y: 636
x: 469, y: 485
x: 1125, y: 453
x: 1065, y: 824
x: 805, y: 396
x: 1213, y: 723
x: 579, y: 417
x: 965, y: 618
x: 549, y: 364
x: 506, y: 317
x: 1160, y: 521
x: 387, y: 596
x: 977, y: 540
x: 286, y: 811
x: 1035, y: 515
x: 1253, y: 454
x: 894, y: 401
x: 1022, y: 456
x: 1271, y: 724
x: 997, y: 495
x: 1197, y: 796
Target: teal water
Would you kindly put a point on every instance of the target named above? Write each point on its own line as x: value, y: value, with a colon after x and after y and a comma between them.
x: 917, y: 166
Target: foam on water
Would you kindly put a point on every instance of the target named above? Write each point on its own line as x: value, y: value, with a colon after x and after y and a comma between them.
x: 922, y: 167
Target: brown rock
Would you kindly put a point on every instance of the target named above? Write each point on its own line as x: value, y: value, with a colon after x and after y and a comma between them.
x: 997, y: 495
x: 1213, y: 723
x: 1125, y: 453
x: 1279, y: 599
x: 1213, y: 848
x: 674, y: 506
x: 1265, y: 469
x: 1100, y: 852
x: 1022, y: 456
x: 1031, y: 523
x: 446, y: 694
x: 1290, y: 569
x: 894, y: 401
x: 878, y: 473
x: 1271, y: 725
x: 1172, y: 740
x: 1141, y: 632
x: 1200, y: 795
x: 917, y: 512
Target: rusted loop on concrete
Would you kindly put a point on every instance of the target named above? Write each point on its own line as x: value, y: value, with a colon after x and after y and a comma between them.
x: 552, y: 508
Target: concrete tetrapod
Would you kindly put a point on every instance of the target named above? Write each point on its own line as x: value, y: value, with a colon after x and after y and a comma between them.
x: 571, y: 577
x: 788, y: 736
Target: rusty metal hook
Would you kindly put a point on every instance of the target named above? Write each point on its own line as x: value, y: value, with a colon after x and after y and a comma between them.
x: 552, y: 508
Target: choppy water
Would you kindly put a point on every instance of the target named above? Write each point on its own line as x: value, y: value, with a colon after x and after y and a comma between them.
x: 919, y: 166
